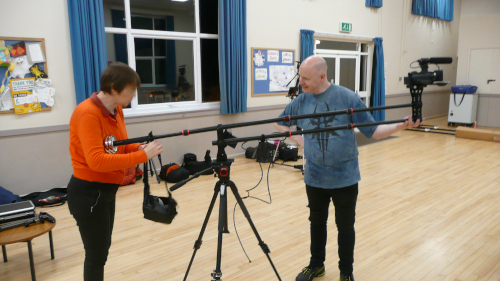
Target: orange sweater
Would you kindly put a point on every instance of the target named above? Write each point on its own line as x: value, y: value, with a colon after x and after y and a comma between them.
x: 90, y: 124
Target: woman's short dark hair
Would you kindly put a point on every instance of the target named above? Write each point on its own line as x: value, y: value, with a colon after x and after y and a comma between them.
x: 117, y: 76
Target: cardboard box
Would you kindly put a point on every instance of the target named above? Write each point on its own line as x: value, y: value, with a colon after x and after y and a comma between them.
x: 478, y: 134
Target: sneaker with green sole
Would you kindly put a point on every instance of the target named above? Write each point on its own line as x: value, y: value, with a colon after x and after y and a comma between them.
x: 346, y: 277
x: 308, y: 273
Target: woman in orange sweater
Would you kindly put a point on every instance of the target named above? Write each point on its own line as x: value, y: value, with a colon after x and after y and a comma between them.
x: 97, y: 174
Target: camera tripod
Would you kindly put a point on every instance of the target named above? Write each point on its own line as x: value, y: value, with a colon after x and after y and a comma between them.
x: 222, y: 169
x: 221, y: 190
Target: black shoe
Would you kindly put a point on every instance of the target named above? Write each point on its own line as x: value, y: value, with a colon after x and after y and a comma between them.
x: 308, y: 273
x: 346, y: 277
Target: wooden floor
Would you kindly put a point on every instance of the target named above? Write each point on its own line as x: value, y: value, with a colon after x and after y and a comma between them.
x: 428, y: 209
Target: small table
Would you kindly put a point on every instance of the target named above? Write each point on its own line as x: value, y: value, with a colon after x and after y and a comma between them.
x: 26, y: 234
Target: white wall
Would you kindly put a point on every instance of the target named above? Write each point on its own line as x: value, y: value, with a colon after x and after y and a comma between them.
x: 406, y: 37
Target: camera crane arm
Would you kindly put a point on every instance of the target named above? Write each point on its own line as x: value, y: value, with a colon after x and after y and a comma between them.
x: 305, y: 132
x: 415, y: 81
x: 110, y: 142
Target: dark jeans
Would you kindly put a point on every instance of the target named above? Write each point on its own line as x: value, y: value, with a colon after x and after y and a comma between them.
x: 344, y: 200
x: 92, y: 204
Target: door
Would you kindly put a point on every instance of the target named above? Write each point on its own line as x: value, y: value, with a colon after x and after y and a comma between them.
x: 342, y: 70
x: 484, y: 70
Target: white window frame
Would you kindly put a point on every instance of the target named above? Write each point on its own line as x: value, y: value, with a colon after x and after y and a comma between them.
x: 337, y: 57
x: 153, y: 57
x: 339, y: 54
x: 137, y: 110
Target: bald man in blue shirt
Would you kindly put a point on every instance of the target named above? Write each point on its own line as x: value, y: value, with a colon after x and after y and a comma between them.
x: 332, y: 168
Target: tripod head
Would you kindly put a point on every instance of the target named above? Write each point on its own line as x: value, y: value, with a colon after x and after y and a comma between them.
x: 222, y: 165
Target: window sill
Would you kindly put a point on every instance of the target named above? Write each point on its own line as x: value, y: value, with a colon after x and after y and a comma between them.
x: 155, y: 109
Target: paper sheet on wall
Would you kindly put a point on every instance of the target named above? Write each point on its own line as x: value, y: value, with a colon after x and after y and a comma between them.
x: 273, y: 56
x: 287, y: 57
x: 279, y: 76
x: 22, y: 96
x: 261, y: 74
x: 35, y: 53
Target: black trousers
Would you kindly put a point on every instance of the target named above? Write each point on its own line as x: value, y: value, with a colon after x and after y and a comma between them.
x: 92, y: 204
x: 344, y: 200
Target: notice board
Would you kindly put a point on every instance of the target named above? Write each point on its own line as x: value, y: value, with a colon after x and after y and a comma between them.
x: 272, y: 71
x: 27, y: 56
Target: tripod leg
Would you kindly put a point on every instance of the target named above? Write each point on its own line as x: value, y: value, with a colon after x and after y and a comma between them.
x: 159, y: 159
x: 222, y: 228
x: 263, y: 245
x: 151, y: 165
x: 153, y: 169
x: 198, y: 242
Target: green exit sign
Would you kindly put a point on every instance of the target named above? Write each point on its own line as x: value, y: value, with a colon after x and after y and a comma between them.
x: 345, y: 27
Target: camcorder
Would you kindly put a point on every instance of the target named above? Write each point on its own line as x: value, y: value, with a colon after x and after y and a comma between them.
x: 426, y: 77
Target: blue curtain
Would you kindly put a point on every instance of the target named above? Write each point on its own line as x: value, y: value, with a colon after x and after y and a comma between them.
x: 374, y: 3
x: 445, y: 10
x: 88, y: 44
x: 424, y: 8
x: 306, y: 43
x: 441, y: 9
x: 232, y: 56
x: 378, y: 80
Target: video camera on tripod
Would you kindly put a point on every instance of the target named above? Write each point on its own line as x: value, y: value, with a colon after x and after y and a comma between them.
x: 294, y: 91
x: 426, y: 77
x: 416, y: 81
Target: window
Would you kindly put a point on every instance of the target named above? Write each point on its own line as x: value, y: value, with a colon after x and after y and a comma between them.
x: 348, y: 62
x: 173, y: 46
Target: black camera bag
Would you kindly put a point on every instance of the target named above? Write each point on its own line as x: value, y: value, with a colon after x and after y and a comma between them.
x: 198, y: 166
x: 157, y: 209
x: 250, y: 153
x: 164, y: 169
x: 177, y: 175
x: 189, y: 157
x: 288, y: 153
x: 265, y: 152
